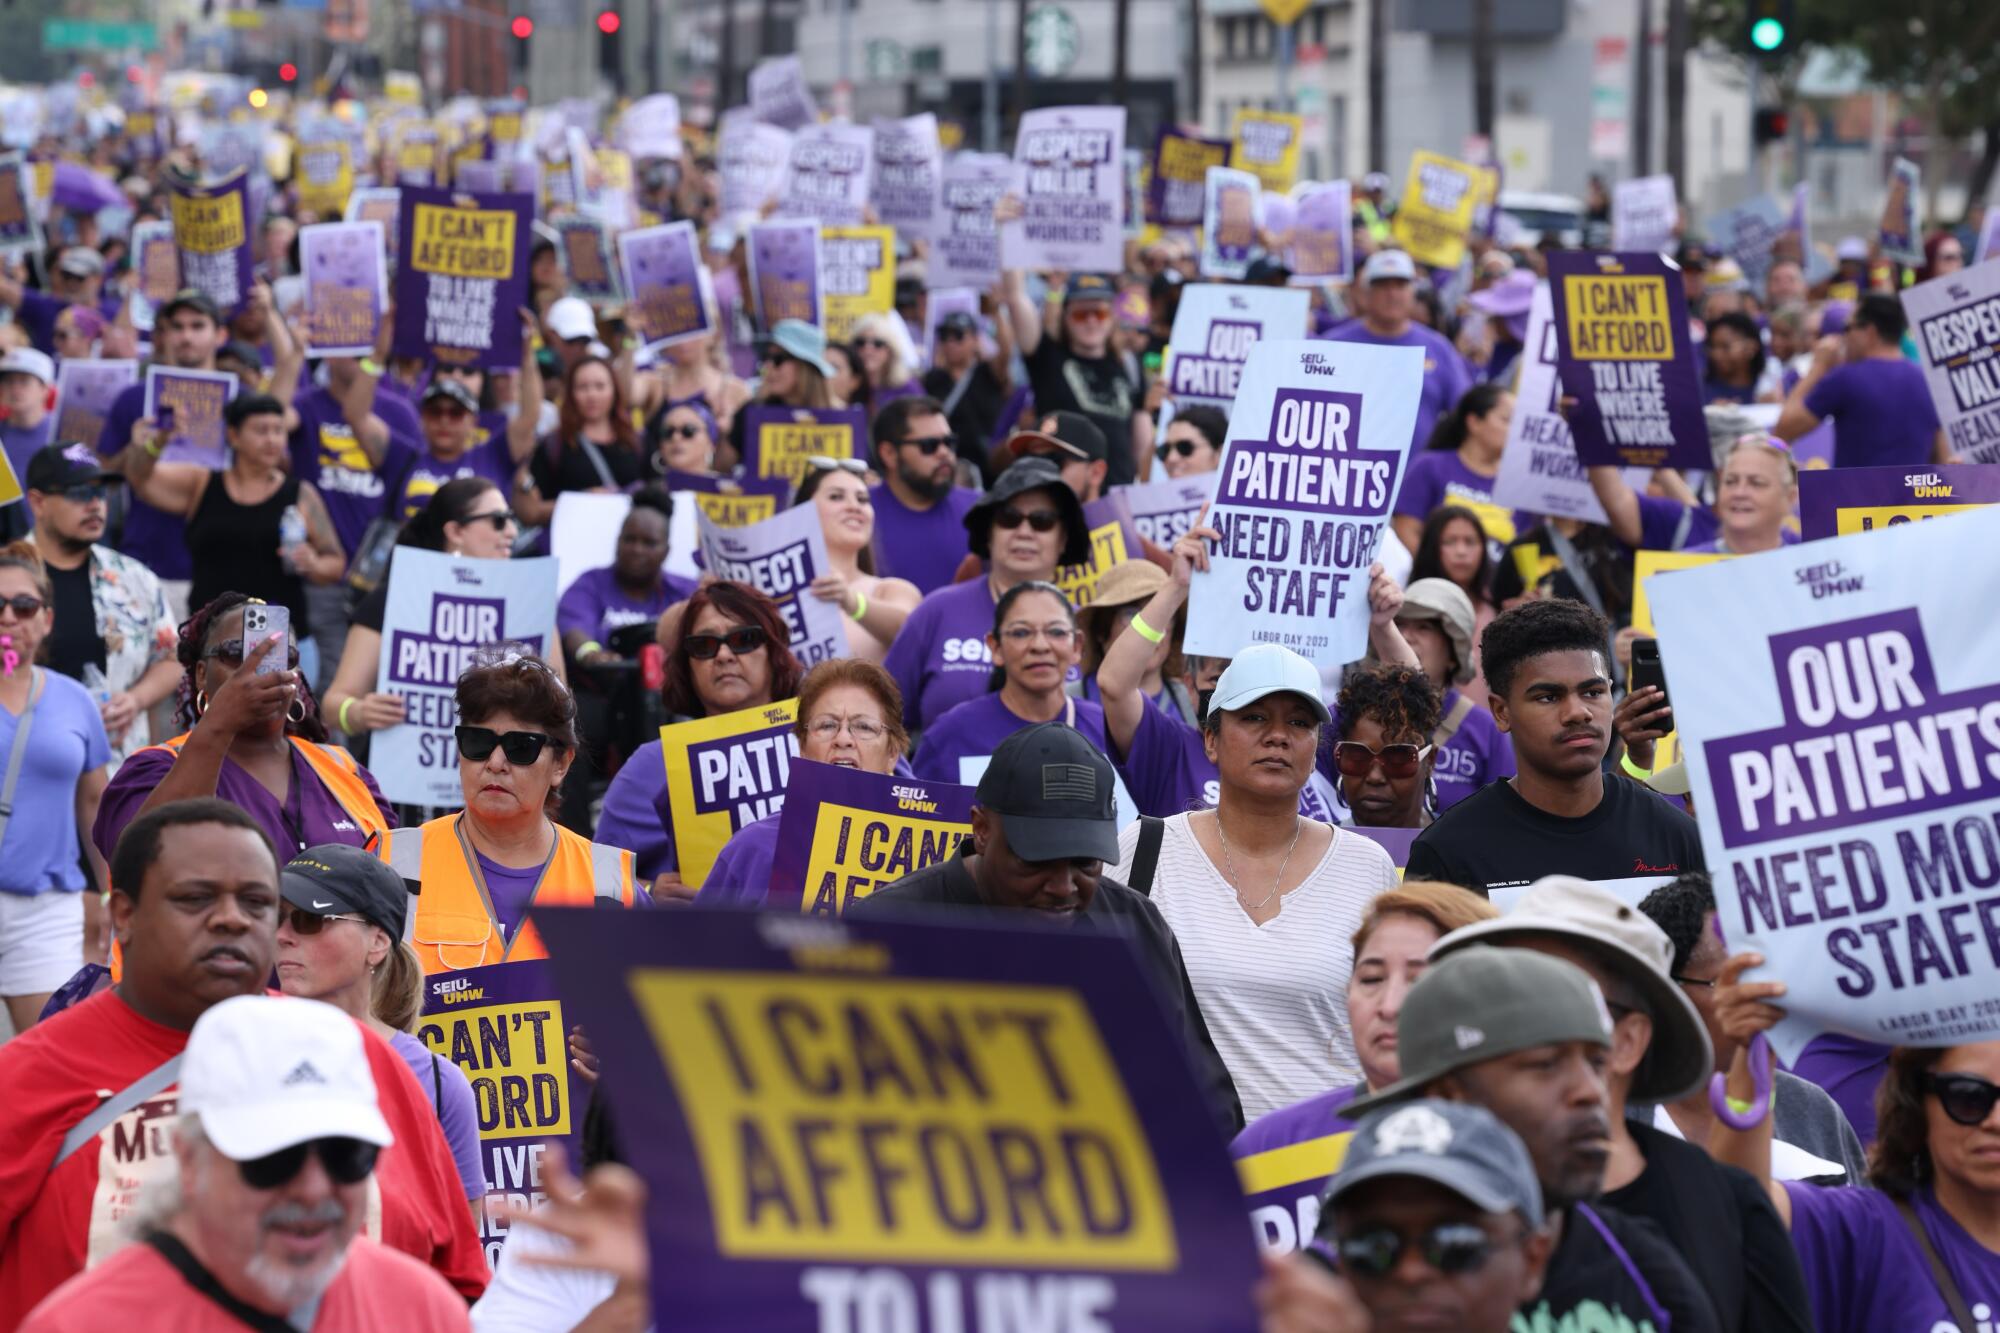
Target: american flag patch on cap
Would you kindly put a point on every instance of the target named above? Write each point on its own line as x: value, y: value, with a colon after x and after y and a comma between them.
x: 1069, y: 782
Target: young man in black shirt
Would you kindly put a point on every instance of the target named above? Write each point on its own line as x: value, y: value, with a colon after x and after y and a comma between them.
x: 1078, y: 370
x: 1561, y: 814
x: 1044, y: 828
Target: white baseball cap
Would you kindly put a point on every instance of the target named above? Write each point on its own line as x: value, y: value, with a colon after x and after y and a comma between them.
x: 266, y: 1072
x: 1389, y: 266
x: 28, y: 361
x: 1268, y: 668
x: 571, y: 318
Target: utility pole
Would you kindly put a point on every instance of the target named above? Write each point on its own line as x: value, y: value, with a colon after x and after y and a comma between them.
x: 1642, y: 94
x: 1483, y: 59
x: 1677, y: 58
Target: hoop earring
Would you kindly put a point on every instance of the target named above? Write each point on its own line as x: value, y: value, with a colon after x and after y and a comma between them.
x: 200, y: 702
x: 299, y: 716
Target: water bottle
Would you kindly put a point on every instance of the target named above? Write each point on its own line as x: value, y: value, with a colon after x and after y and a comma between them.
x: 291, y: 531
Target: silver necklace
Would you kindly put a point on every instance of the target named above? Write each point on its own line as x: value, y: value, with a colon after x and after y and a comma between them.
x: 1229, y: 865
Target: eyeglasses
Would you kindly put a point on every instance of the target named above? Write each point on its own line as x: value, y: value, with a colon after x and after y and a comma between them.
x: 521, y: 747
x: 1185, y: 448
x: 303, y: 922
x: 1090, y: 314
x: 24, y: 605
x: 928, y: 444
x: 773, y: 356
x: 1965, y: 1098
x: 864, y: 729
x: 1706, y: 983
x: 1020, y: 634
x: 683, y: 432
x: 501, y: 519
x: 230, y: 652
x: 871, y: 342
x: 1398, y: 761
x: 853, y: 466
x: 348, y: 1161
x: 740, y: 640
x: 1041, y: 520
x: 1450, y: 1248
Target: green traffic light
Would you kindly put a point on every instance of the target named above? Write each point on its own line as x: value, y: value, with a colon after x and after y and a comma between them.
x: 1767, y: 34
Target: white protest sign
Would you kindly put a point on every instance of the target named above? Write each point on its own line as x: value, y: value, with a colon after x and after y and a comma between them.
x: 908, y: 176
x: 583, y: 534
x: 1069, y: 174
x: 1228, y: 222
x: 965, y: 244
x: 1956, y: 322
x: 1163, y: 510
x: 779, y: 94
x: 826, y: 175
x: 1317, y: 442
x: 1539, y: 470
x: 1840, y: 716
x: 1215, y: 326
x: 1644, y: 214
x: 780, y: 557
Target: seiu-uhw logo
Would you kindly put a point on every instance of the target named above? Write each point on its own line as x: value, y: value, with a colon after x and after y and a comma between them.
x: 914, y: 798
x: 1827, y: 580
x: 1926, y: 486
x: 467, y: 577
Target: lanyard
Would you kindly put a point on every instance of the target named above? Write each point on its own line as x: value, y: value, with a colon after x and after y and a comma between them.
x: 479, y: 880
x: 292, y: 810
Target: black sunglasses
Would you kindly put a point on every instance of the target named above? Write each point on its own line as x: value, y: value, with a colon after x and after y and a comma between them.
x: 1041, y: 520
x: 741, y: 640
x: 24, y: 605
x: 772, y: 356
x: 499, y: 518
x: 348, y: 1161
x: 684, y: 432
x: 1185, y: 448
x: 230, y: 652
x: 1964, y: 1097
x: 521, y: 747
x: 953, y: 335
x: 928, y: 444
x: 1450, y: 1248
x: 870, y: 342
x: 84, y: 493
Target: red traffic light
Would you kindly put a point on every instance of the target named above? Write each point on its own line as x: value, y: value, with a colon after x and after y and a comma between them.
x: 523, y: 27
x: 607, y: 22
x: 288, y: 72
x: 134, y: 74
x: 86, y: 80
x: 1771, y: 124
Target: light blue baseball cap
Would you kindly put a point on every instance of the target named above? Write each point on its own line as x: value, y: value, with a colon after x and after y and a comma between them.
x: 1268, y: 668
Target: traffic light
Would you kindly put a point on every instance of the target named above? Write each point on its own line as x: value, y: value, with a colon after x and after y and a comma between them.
x: 1770, y: 27
x: 608, y: 23
x: 1772, y: 123
x: 523, y: 28
x: 609, y: 66
x: 288, y: 73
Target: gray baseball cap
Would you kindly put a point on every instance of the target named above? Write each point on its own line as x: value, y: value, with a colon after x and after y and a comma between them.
x: 1464, y: 1148
x: 1481, y: 1003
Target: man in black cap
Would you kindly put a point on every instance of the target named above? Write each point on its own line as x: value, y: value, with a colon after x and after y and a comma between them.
x: 971, y: 389
x: 1076, y: 369
x: 1045, y: 825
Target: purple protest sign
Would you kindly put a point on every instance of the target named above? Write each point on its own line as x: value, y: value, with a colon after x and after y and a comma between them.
x: 212, y: 232
x: 1989, y: 238
x: 1834, y: 502
x: 908, y: 176
x: 751, y: 157
x: 965, y: 248
x: 346, y: 287
x: 1322, y: 236
x: 845, y: 833
x: 20, y: 233
x: 1163, y: 510
x: 197, y: 398
x: 1623, y: 352
x: 826, y: 175
x: 585, y: 247
x: 784, y: 273
x: 1180, y: 174
x: 662, y: 270
x: 84, y: 393
x: 1069, y: 176
x: 463, y: 274
x: 729, y: 503
x: 1956, y: 322
x: 1229, y: 223
x: 779, y: 94
x: 777, y: 441
x: 1902, y: 234
x: 156, y: 270
x: 942, y: 301
x: 377, y: 203
x: 1074, y: 1077
x: 1113, y: 541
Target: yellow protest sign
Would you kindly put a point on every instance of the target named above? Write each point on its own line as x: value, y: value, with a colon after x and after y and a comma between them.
x: 1266, y: 144
x: 846, y: 833
x: 208, y: 225
x: 1648, y: 563
x: 1437, y: 208
x: 462, y: 241
x: 1113, y: 541
x: 1615, y: 316
x: 857, y: 275
x: 325, y: 176
x: 781, y: 439
x: 1285, y: 13
x: 722, y: 773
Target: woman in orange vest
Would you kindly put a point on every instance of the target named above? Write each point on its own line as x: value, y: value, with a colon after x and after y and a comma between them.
x: 253, y: 740
x: 479, y: 871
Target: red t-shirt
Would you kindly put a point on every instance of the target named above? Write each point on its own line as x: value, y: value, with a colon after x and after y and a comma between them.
x: 55, y: 1224
x: 376, y: 1288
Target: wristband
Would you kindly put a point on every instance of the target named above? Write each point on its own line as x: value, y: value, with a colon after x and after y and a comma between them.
x: 152, y: 446
x: 1145, y: 631
x: 1740, y: 1106
x: 1625, y: 762
x: 370, y: 366
x: 340, y: 714
x: 588, y: 647
x: 860, y: 605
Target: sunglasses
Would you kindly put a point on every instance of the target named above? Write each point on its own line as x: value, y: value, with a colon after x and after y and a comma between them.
x: 450, y: 411
x: 501, y: 519
x: 24, y: 605
x: 84, y: 493
x: 1090, y: 314
x: 1398, y: 761
x: 853, y: 466
x: 928, y: 444
x: 1451, y: 1248
x: 871, y: 342
x: 1041, y: 520
x: 521, y: 747
x: 1965, y: 1098
x: 230, y: 652
x: 742, y: 640
x: 773, y: 357
x: 303, y: 922
x: 682, y: 432
x: 348, y: 1161
x: 952, y: 335
x: 1185, y: 448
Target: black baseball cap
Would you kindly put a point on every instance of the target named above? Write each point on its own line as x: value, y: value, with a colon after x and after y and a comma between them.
x: 1053, y: 791
x: 1063, y: 436
x: 338, y: 879
x: 959, y: 321
x: 444, y: 387
x: 191, y: 298
x: 57, y: 467
x: 1088, y: 287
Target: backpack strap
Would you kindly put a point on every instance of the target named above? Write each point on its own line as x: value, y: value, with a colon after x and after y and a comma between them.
x: 205, y: 1282
x: 1954, y: 1300
x: 1461, y: 708
x: 157, y: 1079
x: 1146, y: 856
x: 1661, y: 1320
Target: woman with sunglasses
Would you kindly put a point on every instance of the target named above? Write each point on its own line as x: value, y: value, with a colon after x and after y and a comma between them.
x: 727, y: 649
x: 1385, y: 717
x: 595, y: 447
x: 1437, y: 622
x: 1918, y: 1246
x: 460, y: 441
x: 796, y: 373
x: 883, y: 374
x: 684, y: 436
x: 254, y: 740
x: 478, y: 872
x: 1193, y: 442
x: 875, y: 607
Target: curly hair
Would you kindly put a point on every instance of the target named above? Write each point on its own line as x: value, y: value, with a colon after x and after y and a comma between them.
x: 194, y: 632
x: 1532, y: 629
x: 1899, y: 1161
x: 744, y: 605
x: 1400, y: 699
x: 1681, y: 909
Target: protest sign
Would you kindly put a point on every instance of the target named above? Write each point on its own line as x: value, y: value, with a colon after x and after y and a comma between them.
x: 998, y: 1120
x: 1113, y: 541
x: 1163, y: 510
x: 751, y: 157
x: 907, y: 179
x: 1308, y: 476
x: 1644, y: 214
x: 651, y: 127
x: 1283, y: 1187
x: 20, y: 232
x: 845, y: 833
x: 1956, y: 322
x: 1436, y: 212
x: 1539, y: 470
x: 1174, y: 191
x: 509, y: 176
x: 722, y: 773
x: 1747, y: 234
x: 1321, y: 245
x: 965, y: 247
x: 779, y: 94
x: 346, y: 287
x: 1623, y: 352
x: 85, y: 390
x: 1834, y: 702
x: 784, y: 273
x: 197, y: 398
x: 662, y: 274
x: 826, y: 175
x: 1069, y: 177
x: 212, y: 232
x: 1834, y: 502
x: 1646, y: 564
x: 583, y: 533
x: 1267, y: 144
x: 376, y: 203
x: 504, y: 1027
x: 857, y: 267
x: 1228, y: 223
x: 585, y: 246
x: 443, y: 610
x: 462, y: 275
x: 418, y: 154
x: 324, y: 170
x: 729, y: 503
x: 1216, y: 326
x: 1901, y: 235
x: 780, y: 557
x: 1989, y: 237
x: 156, y: 270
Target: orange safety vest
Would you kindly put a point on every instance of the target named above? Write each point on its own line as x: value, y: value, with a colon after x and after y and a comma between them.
x: 454, y: 927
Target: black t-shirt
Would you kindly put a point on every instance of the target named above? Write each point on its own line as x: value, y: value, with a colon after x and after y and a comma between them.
x: 1590, y: 1285
x: 1493, y: 839
x: 976, y: 414
x: 1099, y: 388
x: 572, y: 470
x: 1722, y: 1224
x: 74, y: 643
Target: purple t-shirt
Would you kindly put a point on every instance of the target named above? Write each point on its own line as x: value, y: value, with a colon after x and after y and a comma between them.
x: 940, y: 658
x: 923, y: 546
x: 1850, y: 1070
x: 629, y: 820
x: 1786, y: 537
x: 450, y: 1096
x: 1477, y: 753
x: 977, y: 726
x: 1286, y: 1157
x: 1446, y: 376
x: 511, y: 890
x: 22, y: 443
x: 741, y: 875
x: 1168, y: 773
x: 153, y: 537
x: 1867, y: 1274
x: 1661, y: 523
x: 1882, y: 413
x: 1440, y: 477
x: 315, y: 816
x: 488, y: 458
x: 326, y: 454
x: 595, y: 605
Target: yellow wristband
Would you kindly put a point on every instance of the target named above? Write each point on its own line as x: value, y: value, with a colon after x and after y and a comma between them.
x: 1145, y: 631
x: 1625, y: 762
x: 370, y: 366
x: 1740, y: 1106
x: 340, y: 715
x: 152, y: 446
x: 860, y: 605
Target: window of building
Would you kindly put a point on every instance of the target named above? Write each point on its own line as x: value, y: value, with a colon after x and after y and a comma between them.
x: 926, y: 60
